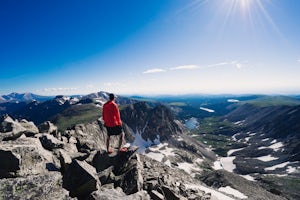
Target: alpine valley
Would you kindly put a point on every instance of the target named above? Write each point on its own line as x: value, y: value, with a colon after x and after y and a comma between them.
x: 195, y: 147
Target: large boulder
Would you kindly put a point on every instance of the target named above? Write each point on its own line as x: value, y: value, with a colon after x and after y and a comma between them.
x: 10, y: 129
x: 49, y: 142
x: 80, y: 179
x: 42, y: 187
x: 48, y: 127
x: 25, y: 156
x: 30, y: 127
x: 90, y: 136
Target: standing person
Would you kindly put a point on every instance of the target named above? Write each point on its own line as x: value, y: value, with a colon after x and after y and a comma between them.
x: 112, y: 122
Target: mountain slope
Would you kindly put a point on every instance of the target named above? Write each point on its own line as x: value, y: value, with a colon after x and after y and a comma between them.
x: 20, y: 97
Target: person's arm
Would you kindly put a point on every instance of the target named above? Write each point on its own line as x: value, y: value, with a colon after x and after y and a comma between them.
x: 117, y: 114
x: 104, y: 114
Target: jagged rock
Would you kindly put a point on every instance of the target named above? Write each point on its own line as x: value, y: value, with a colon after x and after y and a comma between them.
x: 131, y: 180
x: 117, y: 194
x: 26, y: 156
x: 48, y: 127
x: 49, y: 142
x: 150, y: 121
x: 105, y: 175
x: 155, y: 195
x: 10, y: 129
x: 42, y: 187
x: 124, y: 169
x: 89, y: 136
x: 65, y: 160
x: 80, y: 179
x: 30, y: 127
x: 9, y: 164
x: 169, y: 194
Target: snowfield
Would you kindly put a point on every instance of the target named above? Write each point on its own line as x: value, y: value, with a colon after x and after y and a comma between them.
x: 207, y: 109
x: 215, y: 195
x: 234, y: 192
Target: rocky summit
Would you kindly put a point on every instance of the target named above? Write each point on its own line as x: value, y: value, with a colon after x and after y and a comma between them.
x: 43, y: 163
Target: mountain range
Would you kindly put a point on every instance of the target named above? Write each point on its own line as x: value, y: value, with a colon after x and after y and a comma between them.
x: 239, y: 146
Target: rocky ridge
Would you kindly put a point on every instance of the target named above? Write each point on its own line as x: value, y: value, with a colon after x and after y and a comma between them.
x: 41, y: 163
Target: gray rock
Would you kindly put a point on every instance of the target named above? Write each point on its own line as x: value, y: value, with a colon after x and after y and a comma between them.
x: 10, y: 129
x: 48, y: 127
x: 42, y: 187
x: 130, y: 179
x: 80, y: 179
x: 49, y: 142
x: 117, y: 194
x: 9, y: 164
x: 169, y: 194
x: 26, y: 156
x: 30, y: 127
x: 155, y: 195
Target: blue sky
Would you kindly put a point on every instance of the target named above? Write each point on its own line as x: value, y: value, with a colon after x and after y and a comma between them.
x: 150, y: 46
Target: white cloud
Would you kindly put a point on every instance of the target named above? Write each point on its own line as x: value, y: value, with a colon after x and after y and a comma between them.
x: 298, y: 60
x: 188, y: 67
x: 155, y: 70
x: 58, y: 89
x: 218, y: 64
x: 236, y: 64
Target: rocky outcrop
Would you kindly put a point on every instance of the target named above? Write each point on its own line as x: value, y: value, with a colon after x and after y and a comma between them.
x: 76, y: 166
x: 150, y: 121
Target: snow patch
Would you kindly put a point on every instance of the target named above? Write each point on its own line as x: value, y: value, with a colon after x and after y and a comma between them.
x: 234, y: 192
x: 163, y: 149
x: 234, y: 136
x: 155, y: 156
x: 217, y: 165
x: 227, y: 163
x: 276, y: 146
x: 291, y: 169
x: 239, y: 122
x: 260, y: 148
x: 143, y: 144
x: 179, y: 139
x: 273, y: 141
x: 187, y: 167
x: 207, y: 109
x: 215, y: 195
x: 266, y: 139
x: 168, y: 163
x: 281, y: 165
x: 248, y: 177
x: 267, y: 158
x: 247, y: 139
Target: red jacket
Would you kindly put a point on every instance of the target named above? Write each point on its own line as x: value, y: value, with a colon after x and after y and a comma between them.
x: 111, y: 114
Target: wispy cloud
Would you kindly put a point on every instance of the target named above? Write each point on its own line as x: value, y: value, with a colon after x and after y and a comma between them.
x: 298, y: 60
x: 185, y: 67
x: 234, y: 63
x: 60, y: 89
x: 155, y: 70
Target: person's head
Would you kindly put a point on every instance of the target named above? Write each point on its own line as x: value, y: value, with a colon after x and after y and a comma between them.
x: 111, y: 96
